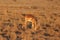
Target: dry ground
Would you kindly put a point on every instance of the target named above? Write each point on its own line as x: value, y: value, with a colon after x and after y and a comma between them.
x: 46, y: 12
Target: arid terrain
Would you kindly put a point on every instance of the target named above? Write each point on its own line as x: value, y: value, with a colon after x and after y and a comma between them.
x: 44, y: 14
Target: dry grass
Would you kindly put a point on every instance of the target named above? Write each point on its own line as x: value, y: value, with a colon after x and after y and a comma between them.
x: 46, y: 16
